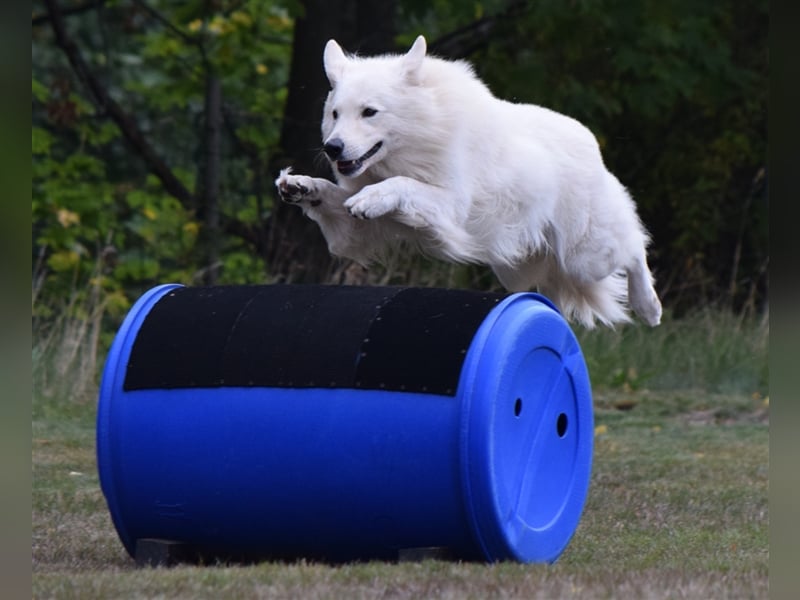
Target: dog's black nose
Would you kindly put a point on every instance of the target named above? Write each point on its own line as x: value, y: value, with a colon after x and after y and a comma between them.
x: 334, y: 148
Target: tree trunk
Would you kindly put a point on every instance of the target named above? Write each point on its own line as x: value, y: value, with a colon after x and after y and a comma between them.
x: 211, y: 177
x: 297, y: 250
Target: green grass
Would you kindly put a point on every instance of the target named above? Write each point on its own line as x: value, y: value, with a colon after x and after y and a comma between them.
x: 677, y: 506
x: 708, y: 349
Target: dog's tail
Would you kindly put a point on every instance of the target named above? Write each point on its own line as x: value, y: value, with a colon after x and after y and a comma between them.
x: 589, y: 302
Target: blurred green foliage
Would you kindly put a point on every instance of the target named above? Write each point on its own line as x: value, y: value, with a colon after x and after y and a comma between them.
x: 97, y: 213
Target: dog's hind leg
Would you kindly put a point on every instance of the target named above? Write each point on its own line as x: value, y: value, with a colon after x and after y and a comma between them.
x: 583, y: 301
x: 641, y: 293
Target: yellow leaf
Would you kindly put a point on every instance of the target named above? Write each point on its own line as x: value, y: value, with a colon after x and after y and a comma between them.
x: 150, y: 213
x: 67, y: 218
x: 279, y: 22
x: 63, y: 260
x: 218, y: 25
x: 600, y: 430
x: 117, y: 303
x: 195, y: 25
x: 261, y: 69
x: 241, y: 18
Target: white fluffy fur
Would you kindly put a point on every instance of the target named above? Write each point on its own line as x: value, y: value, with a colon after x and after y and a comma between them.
x: 467, y: 177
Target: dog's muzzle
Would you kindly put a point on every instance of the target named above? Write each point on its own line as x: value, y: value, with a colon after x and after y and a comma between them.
x: 334, y: 149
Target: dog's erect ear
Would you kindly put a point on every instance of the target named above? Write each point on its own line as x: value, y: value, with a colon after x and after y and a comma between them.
x: 412, y: 61
x: 334, y: 60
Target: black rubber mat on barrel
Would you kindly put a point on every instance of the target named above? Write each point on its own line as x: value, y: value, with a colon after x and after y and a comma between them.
x: 393, y: 338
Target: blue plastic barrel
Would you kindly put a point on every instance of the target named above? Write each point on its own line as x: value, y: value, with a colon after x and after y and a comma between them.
x: 345, y: 423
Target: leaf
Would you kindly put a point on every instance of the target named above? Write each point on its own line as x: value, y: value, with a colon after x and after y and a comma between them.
x: 67, y: 218
x: 64, y: 260
x: 39, y: 91
x: 41, y: 141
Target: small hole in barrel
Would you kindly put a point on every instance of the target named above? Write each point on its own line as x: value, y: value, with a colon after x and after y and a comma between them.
x: 517, y: 407
x: 561, y: 425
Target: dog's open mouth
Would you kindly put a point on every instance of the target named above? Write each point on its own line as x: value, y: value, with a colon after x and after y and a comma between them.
x: 349, y: 167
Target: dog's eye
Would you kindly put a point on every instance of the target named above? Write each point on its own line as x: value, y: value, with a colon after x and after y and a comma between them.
x: 369, y: 112
x: 335, y: 115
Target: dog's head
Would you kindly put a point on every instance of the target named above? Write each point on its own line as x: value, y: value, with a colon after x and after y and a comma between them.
x: 363, y: 112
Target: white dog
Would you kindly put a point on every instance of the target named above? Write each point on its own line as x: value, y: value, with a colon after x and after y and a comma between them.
x: 423, y: 153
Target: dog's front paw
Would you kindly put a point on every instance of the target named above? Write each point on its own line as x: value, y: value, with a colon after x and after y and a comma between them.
x: 295, y: 189
x: 372, y: 203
